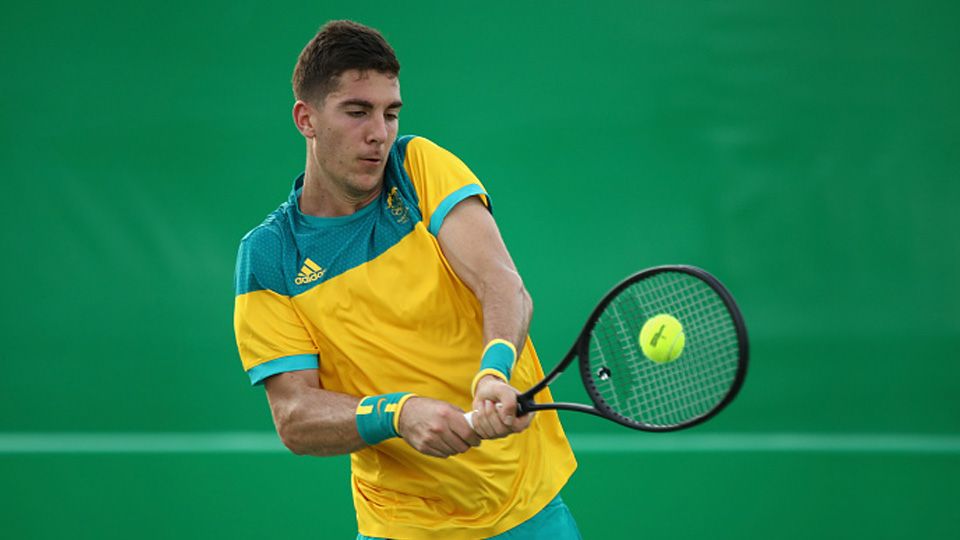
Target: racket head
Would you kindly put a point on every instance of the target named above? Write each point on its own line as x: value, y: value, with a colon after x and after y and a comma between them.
x: 628, y: 388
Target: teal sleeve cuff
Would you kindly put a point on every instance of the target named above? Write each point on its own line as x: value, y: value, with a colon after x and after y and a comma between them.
x: 447, y: 204
x: 296, y: 362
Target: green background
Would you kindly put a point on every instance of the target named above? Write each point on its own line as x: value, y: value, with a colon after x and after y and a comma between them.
x: 804, y: 152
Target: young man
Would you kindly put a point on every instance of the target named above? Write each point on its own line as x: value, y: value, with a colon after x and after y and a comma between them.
x: 379, y: 302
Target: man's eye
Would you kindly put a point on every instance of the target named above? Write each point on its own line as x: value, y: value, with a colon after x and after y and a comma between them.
x: 392, y: 116
x: 356, y: 114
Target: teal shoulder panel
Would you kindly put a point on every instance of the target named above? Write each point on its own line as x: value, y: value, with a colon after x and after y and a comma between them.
x: 328, y: 247
x: 291, y: 252
x: 260, y: 257
x: 398, y: 173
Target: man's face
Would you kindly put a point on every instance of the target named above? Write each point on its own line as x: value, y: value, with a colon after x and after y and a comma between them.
x: 355, y: 127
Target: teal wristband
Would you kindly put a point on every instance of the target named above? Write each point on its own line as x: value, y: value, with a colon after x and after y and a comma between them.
x: 378, y: 416
x: 500, y: 356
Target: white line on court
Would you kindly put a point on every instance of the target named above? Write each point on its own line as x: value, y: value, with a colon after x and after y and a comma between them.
x: 583, y: 443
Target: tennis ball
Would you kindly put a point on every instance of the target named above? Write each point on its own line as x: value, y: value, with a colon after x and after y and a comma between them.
x: 661, y: 338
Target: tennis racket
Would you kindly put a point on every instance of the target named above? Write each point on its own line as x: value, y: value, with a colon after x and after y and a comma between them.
x: 631, y: 389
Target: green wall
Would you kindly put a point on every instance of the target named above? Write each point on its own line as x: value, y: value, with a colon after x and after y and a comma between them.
x: 804, y: 152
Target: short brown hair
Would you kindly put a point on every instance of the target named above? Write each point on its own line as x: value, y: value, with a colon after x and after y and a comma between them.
x: 340, y: 46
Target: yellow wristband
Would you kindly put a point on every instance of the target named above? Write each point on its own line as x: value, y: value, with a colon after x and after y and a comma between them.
x: 481, y: 374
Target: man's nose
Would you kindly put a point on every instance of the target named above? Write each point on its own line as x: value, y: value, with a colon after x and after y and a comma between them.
x: 378, y: 129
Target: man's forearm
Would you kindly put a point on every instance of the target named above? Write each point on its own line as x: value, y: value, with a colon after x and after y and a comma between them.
x: 322, y: 423
x: 318, y: 423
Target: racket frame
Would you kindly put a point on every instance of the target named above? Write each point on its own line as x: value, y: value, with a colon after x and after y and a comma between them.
x: 581, y: 351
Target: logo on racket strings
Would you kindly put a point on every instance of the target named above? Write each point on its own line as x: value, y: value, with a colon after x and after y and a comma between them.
x: 603, y: 373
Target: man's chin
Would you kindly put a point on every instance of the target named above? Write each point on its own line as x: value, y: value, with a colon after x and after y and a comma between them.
x: 367, y: 184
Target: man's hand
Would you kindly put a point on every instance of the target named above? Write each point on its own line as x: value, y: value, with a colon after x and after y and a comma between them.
x: 435, y: 428
x: 496, y: 409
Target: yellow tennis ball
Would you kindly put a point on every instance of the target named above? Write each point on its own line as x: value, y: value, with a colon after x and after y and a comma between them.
x: 661, y: 338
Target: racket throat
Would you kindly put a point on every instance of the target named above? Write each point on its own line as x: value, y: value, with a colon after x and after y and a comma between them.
x: 524, y: 405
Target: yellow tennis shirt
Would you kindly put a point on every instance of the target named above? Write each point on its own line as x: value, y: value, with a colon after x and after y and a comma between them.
x: 370, y: 301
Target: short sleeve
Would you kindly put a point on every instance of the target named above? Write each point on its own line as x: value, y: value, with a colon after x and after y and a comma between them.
x: 271, y: 337
x: 440, y: 179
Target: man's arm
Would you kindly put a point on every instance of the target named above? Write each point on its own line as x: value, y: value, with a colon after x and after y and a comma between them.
x: 318, y: 422
x: 471, y: 241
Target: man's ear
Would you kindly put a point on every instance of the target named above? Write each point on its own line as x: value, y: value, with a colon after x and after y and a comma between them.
x: 303, y: 119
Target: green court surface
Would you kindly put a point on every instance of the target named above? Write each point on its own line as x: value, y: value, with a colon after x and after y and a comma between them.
x: 613, y: 495
x: 805, y: 153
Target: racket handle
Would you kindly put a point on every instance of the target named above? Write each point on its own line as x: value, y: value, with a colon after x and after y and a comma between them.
x: 468, y: 416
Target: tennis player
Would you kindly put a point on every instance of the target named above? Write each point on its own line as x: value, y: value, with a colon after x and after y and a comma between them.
x: 379, y: 302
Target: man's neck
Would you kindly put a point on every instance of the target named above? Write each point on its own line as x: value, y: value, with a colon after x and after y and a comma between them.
x: 320, y: 197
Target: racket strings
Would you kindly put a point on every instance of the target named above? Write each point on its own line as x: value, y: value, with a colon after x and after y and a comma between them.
x: 688, y: 390
x: 672, y: 393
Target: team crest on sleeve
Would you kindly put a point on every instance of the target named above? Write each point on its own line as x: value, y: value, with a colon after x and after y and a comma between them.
x: 397, y: 209
x: 309, y: 273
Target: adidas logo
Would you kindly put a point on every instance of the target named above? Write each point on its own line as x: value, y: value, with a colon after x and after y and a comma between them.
x: 310, y: 272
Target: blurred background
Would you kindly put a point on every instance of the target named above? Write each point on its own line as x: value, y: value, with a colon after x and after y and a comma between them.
x: 804, y: 152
